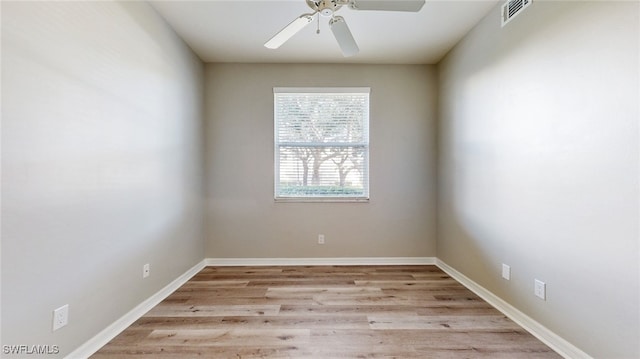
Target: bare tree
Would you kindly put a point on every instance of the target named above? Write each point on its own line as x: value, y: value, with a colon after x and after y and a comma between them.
x: 314, y: 120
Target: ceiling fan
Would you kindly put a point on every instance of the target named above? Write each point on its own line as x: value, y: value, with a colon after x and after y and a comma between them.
x: 328, y: 8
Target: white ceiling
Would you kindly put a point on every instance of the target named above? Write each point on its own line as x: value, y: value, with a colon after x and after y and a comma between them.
x: 235, y: 31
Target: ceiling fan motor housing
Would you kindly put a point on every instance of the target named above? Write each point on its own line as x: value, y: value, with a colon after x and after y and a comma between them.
x: 325, y: 7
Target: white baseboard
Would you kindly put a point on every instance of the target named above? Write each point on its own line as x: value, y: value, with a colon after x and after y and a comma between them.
x: 99, y: 340
x: 320, y: 261
x: 554, y: 341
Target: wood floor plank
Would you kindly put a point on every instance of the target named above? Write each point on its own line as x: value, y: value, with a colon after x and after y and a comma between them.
x: 209, y: 284
x: 346, y: 310
x: 324, y: 312
x: 467, y: 322
x: 205, y: 300
x: 287, y: 292
x: 224, y: 292
x: 131, y: 337
x: 256, y: 322
x: 420, y: 340
x: 430, y: 275
x: 481, y: 309
x: 183, y: 352
x: 228, y: 337
x: 177, y: 298
x: 148, y: 323
x: 212, y: 310
x: 404, y: 284
x: 302, y: 282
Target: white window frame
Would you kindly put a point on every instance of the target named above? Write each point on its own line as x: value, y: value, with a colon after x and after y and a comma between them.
x: 365, y: 144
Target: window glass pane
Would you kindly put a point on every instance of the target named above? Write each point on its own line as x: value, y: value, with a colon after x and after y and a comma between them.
x: 322, y: 171
x: 322, y: 117
x: 322, y: 144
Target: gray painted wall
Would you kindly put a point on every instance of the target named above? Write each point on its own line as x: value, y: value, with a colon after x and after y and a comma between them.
x: 243, y: 220
x: 101, y: 164
x: 539, y: 167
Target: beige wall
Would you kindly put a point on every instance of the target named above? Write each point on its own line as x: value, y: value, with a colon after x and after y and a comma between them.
x: 243, y: 220
x: 539, y: 167
x: 101, y: 164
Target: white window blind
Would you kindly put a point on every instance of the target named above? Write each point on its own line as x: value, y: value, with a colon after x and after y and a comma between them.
x: 321, y: 143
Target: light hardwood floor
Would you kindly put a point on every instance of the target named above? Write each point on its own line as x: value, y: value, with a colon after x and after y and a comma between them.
x: 324, y: 312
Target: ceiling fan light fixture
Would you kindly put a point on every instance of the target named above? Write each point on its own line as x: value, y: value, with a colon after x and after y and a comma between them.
x: 326, y: 8
x: 326, y: 12
x: 285, y: 34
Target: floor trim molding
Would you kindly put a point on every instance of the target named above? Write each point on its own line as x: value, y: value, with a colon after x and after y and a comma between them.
x: 554, y: 341
x: 320, y: 261
x: 94, y: 344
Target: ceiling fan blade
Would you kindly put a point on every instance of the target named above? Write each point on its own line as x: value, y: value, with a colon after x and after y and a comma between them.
x: 343, y: 36
x: 285, y: 34
x: 387, y: 5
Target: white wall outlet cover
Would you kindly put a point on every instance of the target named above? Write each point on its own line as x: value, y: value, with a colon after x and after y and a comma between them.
x: 146, y: 270
x: 320, y: 238
x: 540, y: 289
x: 61, y: 317
x: 506, y: 272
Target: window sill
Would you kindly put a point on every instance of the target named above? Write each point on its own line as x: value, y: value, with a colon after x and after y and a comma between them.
x: 321, y: 200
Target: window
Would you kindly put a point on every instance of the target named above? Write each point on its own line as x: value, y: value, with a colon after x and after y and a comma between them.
x: 321, y: 143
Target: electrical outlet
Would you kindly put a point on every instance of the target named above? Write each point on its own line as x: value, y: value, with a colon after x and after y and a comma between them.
x: 146, y: 269
x: 61, y: 317
x: 320, y: 238
x: 540, y: 289
x: 506, y: 272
